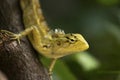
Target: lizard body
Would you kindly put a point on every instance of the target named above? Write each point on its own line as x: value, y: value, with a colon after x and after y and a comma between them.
x: 52, y: 44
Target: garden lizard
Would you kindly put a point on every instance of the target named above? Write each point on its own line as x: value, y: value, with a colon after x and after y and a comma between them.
x: 50, y: 43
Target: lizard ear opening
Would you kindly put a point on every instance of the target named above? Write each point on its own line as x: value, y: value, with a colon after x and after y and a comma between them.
x: 46, y: 46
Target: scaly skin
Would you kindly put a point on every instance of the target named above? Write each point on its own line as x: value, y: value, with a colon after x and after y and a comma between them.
x: 52, y: 44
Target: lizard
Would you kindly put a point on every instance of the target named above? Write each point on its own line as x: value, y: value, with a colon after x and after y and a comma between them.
x: 53, y: 44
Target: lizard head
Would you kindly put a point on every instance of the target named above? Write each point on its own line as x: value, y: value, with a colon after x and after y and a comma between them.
x: 69, y: 43
x: 59, y: 44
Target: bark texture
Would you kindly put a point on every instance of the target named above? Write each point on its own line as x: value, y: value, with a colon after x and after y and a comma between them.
x: 17, y: 61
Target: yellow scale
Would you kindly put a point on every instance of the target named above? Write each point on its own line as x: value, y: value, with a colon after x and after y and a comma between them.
x: 52, y: 44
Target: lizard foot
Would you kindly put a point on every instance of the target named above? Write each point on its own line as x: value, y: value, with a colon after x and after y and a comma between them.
x: 12, y: 36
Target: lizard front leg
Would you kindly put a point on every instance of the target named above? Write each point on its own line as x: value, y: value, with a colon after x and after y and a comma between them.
x: 15, y: 36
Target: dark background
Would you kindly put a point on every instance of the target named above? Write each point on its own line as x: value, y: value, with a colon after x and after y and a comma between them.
x: 99, y: 22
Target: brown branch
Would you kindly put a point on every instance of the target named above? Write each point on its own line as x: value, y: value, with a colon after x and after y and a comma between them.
x: 18, y: 62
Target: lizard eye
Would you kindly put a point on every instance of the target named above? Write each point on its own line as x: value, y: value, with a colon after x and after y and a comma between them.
x: 72, y: 40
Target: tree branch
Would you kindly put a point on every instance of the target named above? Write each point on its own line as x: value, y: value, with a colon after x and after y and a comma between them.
x: 18, y: 62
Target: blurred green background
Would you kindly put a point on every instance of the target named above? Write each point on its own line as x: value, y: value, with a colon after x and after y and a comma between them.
x: 99, y: 22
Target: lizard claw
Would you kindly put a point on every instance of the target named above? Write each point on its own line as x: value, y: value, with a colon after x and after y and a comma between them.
x: 16, y: 37
x: 12, y: 36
